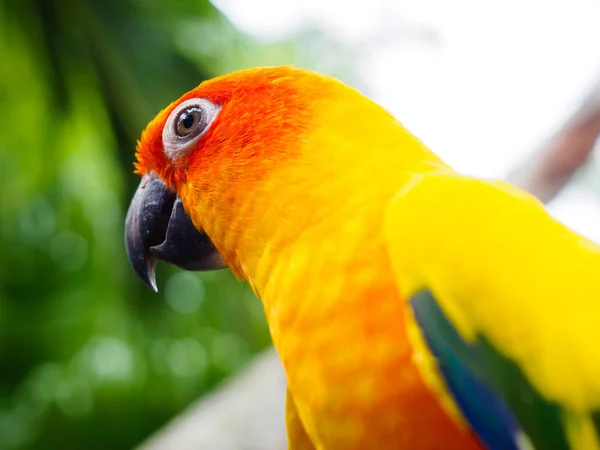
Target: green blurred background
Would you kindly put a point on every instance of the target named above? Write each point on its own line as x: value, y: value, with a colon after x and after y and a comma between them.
x: 89, y: 356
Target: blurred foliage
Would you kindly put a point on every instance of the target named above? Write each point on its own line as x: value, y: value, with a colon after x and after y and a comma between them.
x: 89, y: 356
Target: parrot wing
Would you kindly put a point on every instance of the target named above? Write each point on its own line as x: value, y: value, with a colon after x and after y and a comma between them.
x: 507, y: 300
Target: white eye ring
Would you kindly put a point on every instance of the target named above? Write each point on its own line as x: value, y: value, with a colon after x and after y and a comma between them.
x: 186, y: 124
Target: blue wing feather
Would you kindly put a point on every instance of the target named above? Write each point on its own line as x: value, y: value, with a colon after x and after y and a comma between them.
x: 491, y: 391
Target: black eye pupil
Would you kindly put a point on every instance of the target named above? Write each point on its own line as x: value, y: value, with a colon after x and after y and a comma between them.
x: 187, y: 120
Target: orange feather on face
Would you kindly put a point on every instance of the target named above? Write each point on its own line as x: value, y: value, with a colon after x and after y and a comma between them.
x: 263, y: 117
x: 290, y: 182
x: 262, y: 114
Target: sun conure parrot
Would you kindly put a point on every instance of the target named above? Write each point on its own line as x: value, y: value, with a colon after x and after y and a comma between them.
x: 412, y: 307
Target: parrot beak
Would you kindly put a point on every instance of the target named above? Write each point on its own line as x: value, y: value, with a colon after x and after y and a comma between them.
x: 157, y: 227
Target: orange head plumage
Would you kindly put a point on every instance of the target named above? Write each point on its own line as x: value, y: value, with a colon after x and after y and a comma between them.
x: 253, y: 115
x: 245, y: 149
x: 215, y: 144
x: 216, y: 140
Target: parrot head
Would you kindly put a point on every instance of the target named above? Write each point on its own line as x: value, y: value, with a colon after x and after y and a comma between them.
x: 230, y: 162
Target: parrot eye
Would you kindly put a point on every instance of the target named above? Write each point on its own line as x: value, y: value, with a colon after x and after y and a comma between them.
x: 186, y: 124
x: 188, y: 121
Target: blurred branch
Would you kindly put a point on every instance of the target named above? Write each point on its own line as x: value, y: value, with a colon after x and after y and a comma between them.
x: 551, y: 168
x: 246, y: 413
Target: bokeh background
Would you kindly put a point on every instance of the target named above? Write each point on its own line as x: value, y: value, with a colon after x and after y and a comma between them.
x: 89, y: 357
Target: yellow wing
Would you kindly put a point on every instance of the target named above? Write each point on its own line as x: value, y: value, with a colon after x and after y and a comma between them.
x: 508, y: 300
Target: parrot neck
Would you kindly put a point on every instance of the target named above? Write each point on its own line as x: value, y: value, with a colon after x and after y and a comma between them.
x: 309, y: 212
x: 329, y: 223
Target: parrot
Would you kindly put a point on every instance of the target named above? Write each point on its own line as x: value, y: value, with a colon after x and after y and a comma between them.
x: 411, y: 306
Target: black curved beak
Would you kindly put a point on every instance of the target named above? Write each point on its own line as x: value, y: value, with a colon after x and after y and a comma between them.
x: 157, y: 227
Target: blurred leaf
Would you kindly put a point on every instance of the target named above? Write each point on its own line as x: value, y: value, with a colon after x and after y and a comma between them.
x: 89, y: 357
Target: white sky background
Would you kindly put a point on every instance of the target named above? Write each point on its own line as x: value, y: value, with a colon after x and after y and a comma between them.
x: 482, y: 83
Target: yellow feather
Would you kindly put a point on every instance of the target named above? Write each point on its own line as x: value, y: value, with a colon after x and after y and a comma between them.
x: 501, y: 266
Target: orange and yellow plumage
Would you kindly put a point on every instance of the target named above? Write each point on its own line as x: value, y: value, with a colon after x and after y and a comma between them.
x: 292, y: 183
